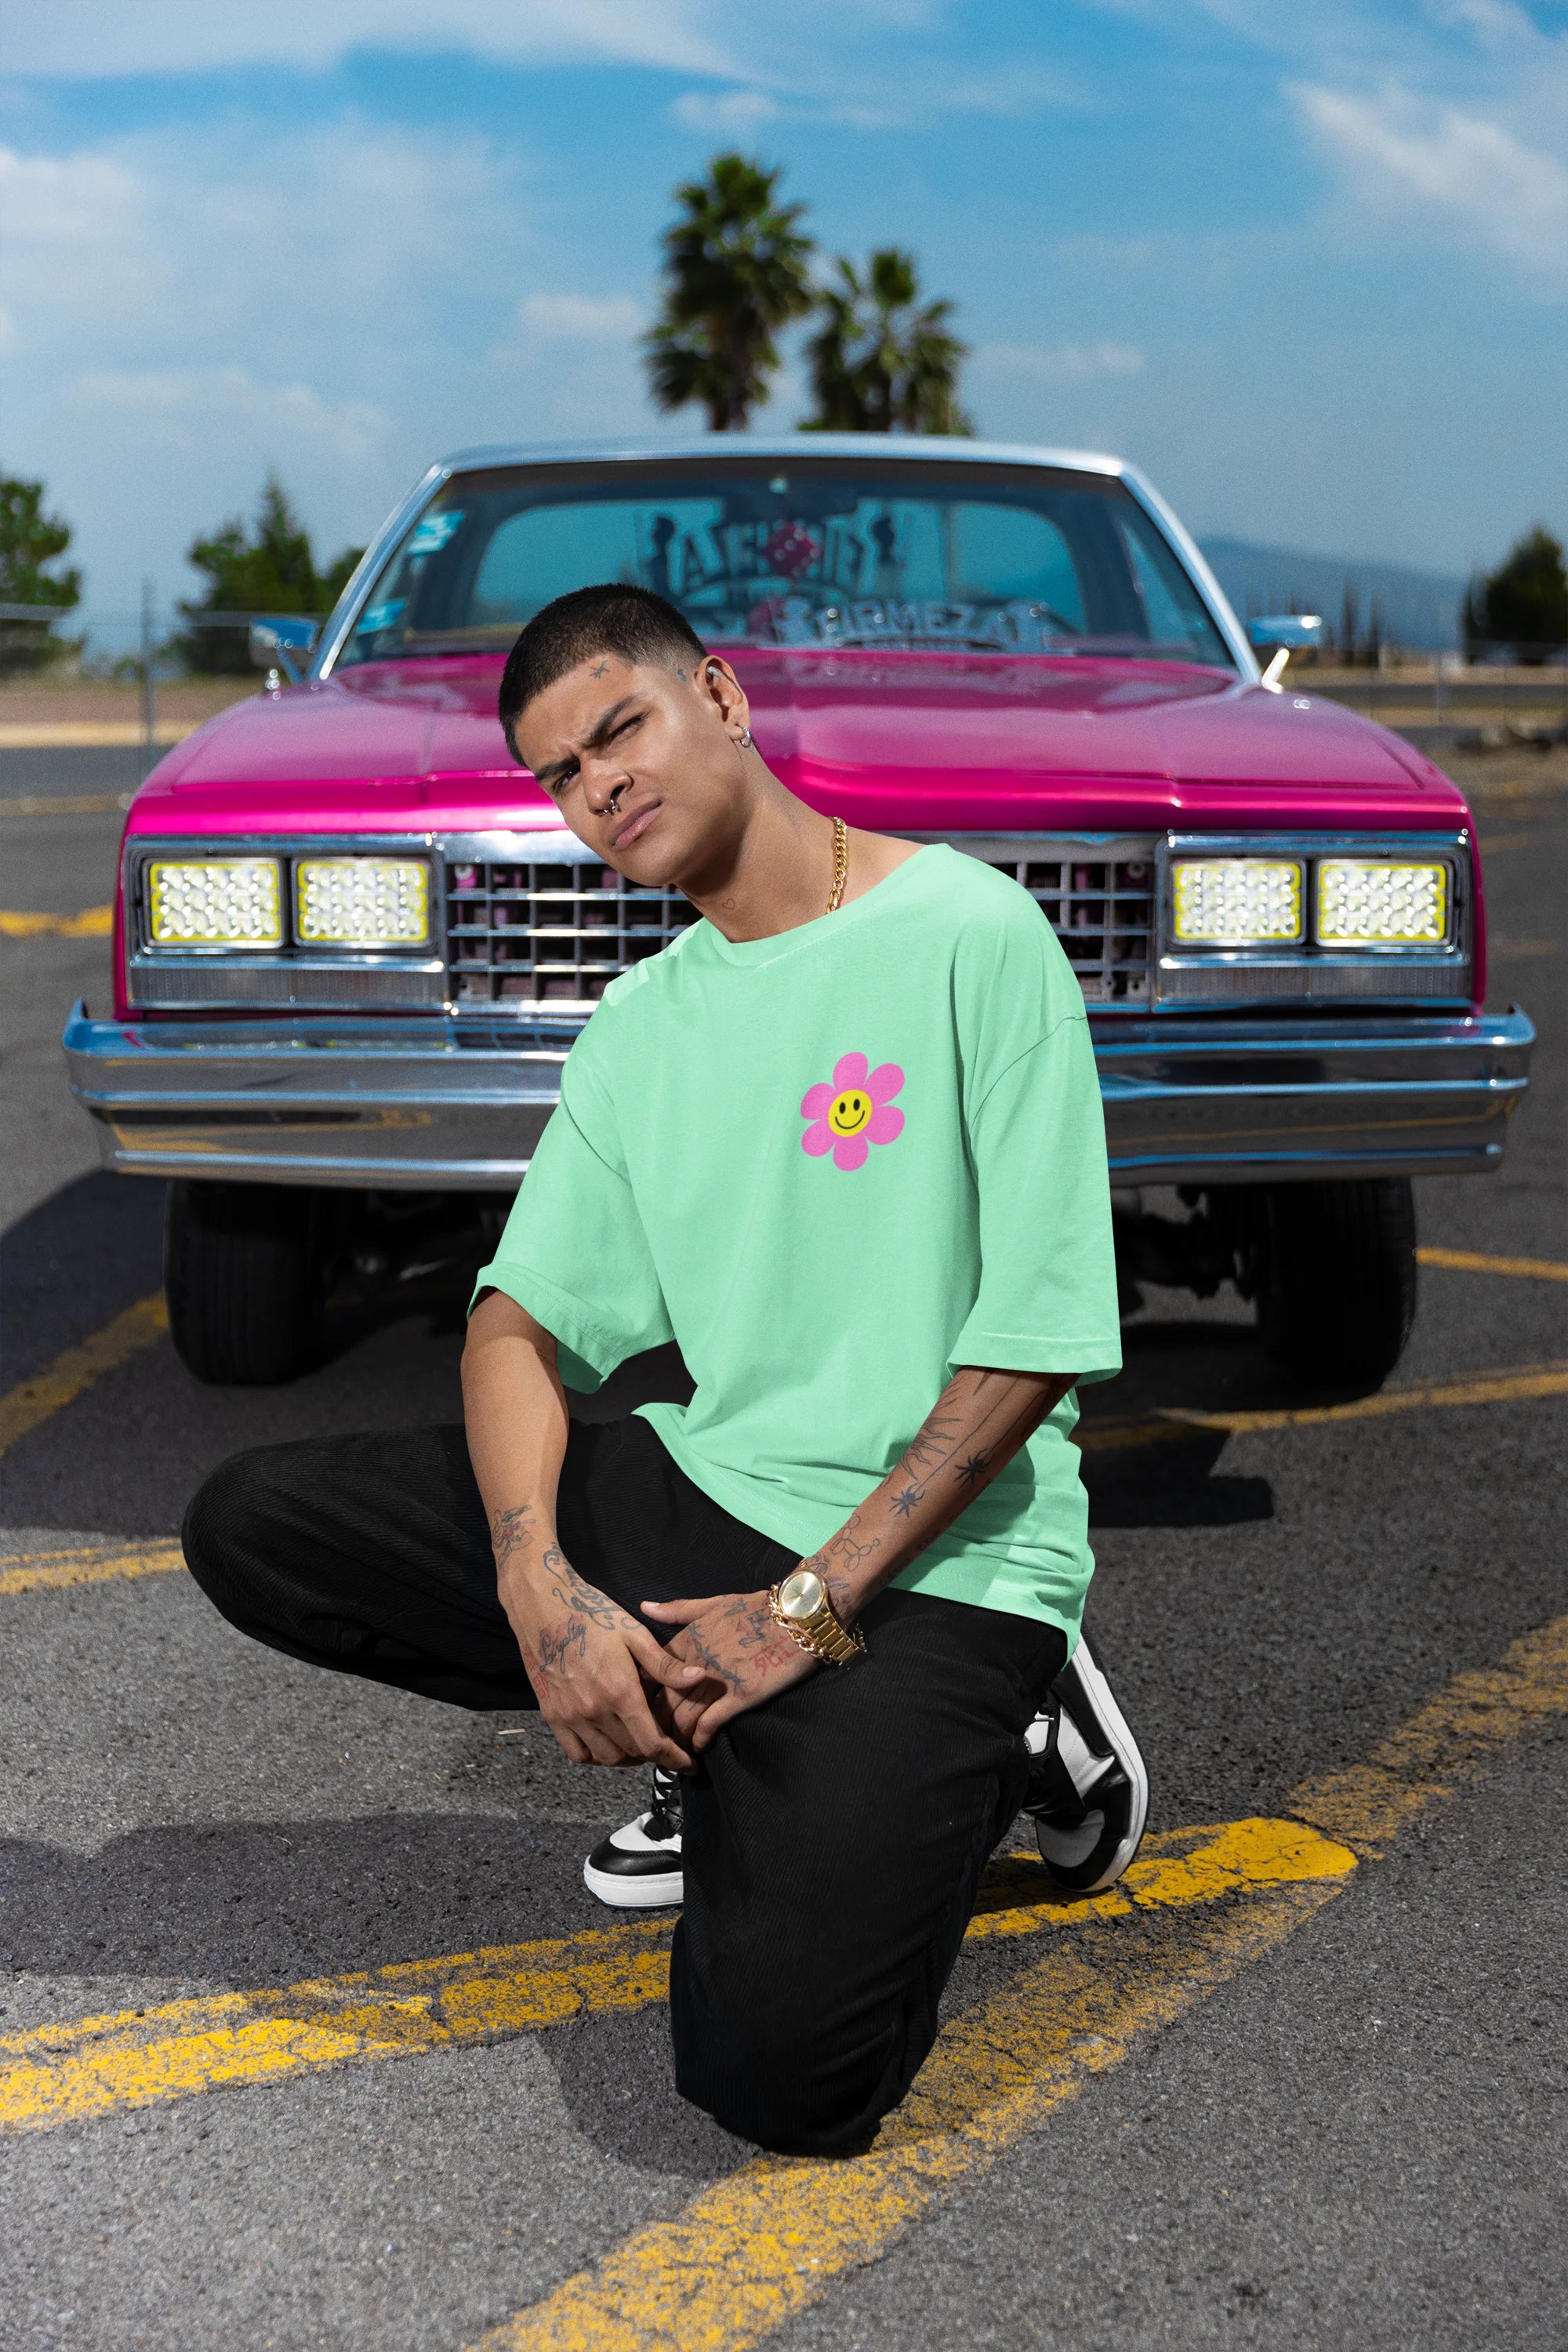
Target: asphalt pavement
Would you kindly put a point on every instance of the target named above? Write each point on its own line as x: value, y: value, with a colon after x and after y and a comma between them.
x: 1317, y: 2099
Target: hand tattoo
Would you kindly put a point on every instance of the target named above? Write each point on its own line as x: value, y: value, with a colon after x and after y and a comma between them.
x: 510, y: 1532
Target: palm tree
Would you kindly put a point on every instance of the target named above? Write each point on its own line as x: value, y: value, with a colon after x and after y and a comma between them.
x: 878, y: 363
x: 735, y: 271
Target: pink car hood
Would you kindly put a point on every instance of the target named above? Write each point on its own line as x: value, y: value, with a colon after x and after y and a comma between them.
x: 910, y: 741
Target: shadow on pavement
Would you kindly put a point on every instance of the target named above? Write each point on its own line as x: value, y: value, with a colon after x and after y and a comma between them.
x: 235, y: 1904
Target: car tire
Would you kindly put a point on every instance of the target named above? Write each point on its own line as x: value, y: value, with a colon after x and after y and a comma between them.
x: 245, y: 1270
x: 1336, y: 1290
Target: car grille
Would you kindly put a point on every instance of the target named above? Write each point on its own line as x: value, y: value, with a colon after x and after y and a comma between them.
x: 524, y: 934
x: 1097, y: 898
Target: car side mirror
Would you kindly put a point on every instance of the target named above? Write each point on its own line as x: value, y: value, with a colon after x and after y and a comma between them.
x: 283, y: 641
x: 1292, y: 630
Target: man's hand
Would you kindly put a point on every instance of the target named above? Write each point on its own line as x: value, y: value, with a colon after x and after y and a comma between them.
x: 744, y: 1656
x: 593, y: 1669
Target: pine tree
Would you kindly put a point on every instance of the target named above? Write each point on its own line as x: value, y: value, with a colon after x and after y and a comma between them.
x: 31, y: 541
x: 1523, y: 605
x: 270, y: 569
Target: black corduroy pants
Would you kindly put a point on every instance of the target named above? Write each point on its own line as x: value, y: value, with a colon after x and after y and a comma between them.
x: 834, y: 1837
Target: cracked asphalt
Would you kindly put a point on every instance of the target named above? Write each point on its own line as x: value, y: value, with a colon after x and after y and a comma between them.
x: 1358, y: 2142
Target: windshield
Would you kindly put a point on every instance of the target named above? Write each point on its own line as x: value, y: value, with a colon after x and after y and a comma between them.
x: 1004, y: 558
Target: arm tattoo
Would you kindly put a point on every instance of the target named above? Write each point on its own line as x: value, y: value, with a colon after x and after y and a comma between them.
x: 972, y: 1472
x: 510, y: 1532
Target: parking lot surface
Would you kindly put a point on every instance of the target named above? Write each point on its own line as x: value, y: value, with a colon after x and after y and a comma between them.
x: 312, y: 2036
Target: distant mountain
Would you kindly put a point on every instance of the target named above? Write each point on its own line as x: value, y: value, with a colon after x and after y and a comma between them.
x: 1418, y: 609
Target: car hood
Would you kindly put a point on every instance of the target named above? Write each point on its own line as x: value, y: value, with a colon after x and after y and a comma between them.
x: 911, y: 742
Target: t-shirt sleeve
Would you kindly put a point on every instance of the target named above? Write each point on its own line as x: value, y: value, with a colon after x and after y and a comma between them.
x: 1048, y: 1297
x: 575, y: 1253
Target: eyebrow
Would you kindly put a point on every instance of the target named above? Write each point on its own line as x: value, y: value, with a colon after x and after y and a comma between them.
x: 594, y: 740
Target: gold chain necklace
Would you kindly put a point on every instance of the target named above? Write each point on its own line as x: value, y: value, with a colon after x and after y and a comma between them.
x: 840, y: 865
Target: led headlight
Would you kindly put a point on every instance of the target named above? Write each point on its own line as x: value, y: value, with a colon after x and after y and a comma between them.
x: 1237, y: 902
x: 1369, y: 902
x: 229, y: 902
x: 361, y: 902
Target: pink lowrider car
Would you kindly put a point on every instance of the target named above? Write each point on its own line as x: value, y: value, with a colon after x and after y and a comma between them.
x: 354, y: 943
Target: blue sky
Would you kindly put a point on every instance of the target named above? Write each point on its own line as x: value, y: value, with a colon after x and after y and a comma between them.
x: 1308, y: 265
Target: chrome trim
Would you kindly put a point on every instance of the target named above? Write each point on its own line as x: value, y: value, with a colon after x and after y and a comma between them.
x: 1274, y: 973
x: 861, y: 447
x: 407, y: 1103
x: 304, y: 976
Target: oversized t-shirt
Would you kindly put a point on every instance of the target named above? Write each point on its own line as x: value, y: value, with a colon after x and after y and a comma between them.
x: 833, y: 1165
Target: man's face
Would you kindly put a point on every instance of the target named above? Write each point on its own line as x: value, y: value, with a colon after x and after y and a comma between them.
x: 643, y: 761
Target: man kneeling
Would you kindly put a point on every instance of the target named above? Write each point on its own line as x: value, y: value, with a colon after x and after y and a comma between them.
x: 842, y: 1141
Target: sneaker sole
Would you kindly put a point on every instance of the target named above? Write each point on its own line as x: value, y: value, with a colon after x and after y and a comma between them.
x: 1124, y: 1748
x: 650, y: 1894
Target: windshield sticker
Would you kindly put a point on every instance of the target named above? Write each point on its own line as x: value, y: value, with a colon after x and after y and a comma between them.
x: 433, y: 530
x: 1016, y: 627
x: 380, y: 617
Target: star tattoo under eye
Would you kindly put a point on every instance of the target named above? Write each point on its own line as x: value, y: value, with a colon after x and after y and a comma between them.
x: 906, y: 1502
x: 971, y: 1472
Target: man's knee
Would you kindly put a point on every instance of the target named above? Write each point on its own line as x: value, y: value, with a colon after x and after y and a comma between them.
x: 764, y: 2052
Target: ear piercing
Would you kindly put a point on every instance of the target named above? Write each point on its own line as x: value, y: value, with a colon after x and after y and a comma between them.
x: 745, y: 739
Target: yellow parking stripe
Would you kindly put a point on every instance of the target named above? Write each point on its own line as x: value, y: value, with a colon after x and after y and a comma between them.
x: 92, y: 923
x: 1533, y: 1269
x: 65, y: 804
x: 136, y: 2058
x: 32, y: 1403
x: 1444, y: 1742
x: 1519, y: 1383
x: 751, y: 2252
x: 52, y: 1571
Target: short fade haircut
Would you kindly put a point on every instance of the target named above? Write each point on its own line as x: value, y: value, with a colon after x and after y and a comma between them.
x: 610, y: 618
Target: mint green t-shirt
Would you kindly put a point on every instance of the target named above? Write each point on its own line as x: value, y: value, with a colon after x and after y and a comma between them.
x: 834, y: 1165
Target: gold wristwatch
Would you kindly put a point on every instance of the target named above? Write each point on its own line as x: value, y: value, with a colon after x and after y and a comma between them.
x: 800, y: 1604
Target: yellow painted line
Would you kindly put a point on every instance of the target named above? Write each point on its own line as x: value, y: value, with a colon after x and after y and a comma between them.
x: 1535, y: 1270
x: 65, y: 803
x: 750, y: 2253
x: 62, y: 2073
x: 133, y: 2059
x: 32, y: 1403
x: 1443, y: 1744
x: 53, y: 1571
x: 92, y: 923
x: 1504, y: 1387
x: 89, y: 734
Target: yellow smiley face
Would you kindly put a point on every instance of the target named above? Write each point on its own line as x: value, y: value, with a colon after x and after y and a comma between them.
x: 849, y: 1111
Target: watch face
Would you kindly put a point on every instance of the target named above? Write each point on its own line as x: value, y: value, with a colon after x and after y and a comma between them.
x: 802, y: 1594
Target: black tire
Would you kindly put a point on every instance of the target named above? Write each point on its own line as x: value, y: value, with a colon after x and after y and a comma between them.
x: 1336, y: 1295
x: 245, y: 1276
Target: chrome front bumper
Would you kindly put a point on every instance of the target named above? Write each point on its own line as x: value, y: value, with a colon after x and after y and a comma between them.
x: 404, y: 1102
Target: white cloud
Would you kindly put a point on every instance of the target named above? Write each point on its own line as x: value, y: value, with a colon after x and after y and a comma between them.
x: 1062, y: 362
x: 92, y: 39
x: 723, y: 114
x: 188, y: 408
x: 1440, y: 165
x: 579, y: 317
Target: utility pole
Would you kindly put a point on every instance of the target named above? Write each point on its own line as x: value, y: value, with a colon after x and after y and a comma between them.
x: 149, y: 710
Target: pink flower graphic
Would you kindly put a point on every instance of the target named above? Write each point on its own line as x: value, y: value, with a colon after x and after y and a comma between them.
x: 852, y: 1110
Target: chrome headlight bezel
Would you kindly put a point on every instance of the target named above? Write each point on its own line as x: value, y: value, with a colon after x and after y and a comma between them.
x: 291, y: 971
x: 1314, y: 968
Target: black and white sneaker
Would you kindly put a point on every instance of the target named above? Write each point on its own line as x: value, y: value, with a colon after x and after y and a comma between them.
x: 637, y: 1866
x: 1088, y: 1791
